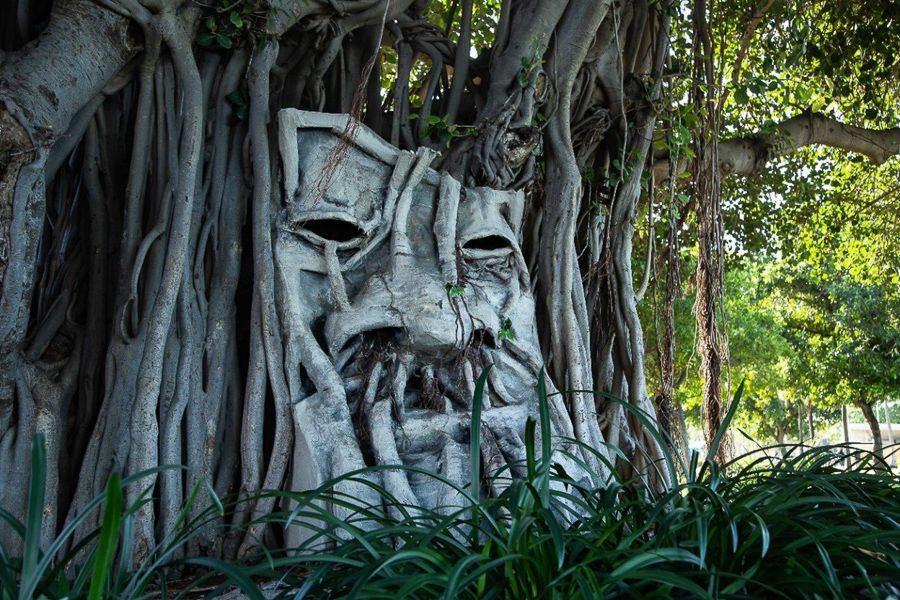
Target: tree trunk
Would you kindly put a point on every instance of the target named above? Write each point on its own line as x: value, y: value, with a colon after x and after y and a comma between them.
x: 845, y: 421
x: 809, y: 419
x: 874, y: 426
x: 892, y: 456
x: 49, y: 90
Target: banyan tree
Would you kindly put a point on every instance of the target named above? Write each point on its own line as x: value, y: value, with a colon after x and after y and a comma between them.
x: 275, y: 243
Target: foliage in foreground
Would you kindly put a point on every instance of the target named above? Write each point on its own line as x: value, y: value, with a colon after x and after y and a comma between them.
x: 764, y: 525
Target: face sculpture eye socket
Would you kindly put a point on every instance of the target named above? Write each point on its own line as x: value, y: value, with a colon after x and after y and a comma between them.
x: 487, y: 247
x: 322, y: 229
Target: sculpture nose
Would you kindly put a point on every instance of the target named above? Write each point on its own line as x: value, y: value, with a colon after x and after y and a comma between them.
x: 415, y: 308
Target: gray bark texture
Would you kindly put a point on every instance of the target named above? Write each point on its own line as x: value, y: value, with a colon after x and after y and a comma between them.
x: 871, y: 418
x: 749, y: 155
x: 264, y: 263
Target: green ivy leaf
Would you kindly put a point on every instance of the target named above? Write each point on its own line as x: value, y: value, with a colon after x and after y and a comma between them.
x: 236, y: 20
x: 454, y: 291
x: 224, y: 41
x: 240, y: 102
x: 205, y: 38
x: 506, y: 331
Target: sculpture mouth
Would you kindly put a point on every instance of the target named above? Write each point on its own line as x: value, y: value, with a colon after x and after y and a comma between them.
x: 417, y: 386
x: 390, y: 369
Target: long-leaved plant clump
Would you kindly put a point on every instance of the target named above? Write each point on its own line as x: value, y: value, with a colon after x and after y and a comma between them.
x: 787, y: 522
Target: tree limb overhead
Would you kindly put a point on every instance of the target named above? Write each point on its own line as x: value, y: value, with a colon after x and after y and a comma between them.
x: 749, y: 155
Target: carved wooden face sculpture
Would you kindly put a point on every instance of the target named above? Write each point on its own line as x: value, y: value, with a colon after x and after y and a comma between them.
x: 396, y: 288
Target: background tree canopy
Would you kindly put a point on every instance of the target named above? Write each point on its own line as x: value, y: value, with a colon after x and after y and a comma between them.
x: 811, y: 237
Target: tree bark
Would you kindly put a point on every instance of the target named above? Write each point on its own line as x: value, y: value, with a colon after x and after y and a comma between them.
x: 845, y: 422
x: 874, y: 426
x: 809, y: 419
x: 44, y: 87
x: 749, y: 155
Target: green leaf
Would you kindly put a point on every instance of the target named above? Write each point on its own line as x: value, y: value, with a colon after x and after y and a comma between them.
x: 34, y: 521
x: 546, y: 433
x: 652, y: 557
x: 588, y: 173
x: 220, y: 508
x: 235, y: 18
x: 506, y: 331
x: 723, y: 428
x: 240, y: 102
x: 205, y: 38
x: 454, y: 291
x: 223, y: 40
x: 529, y: 448
x: 475, y: 433
x: 234, y: 574
x: 237, y: 98
x: 109, y: 535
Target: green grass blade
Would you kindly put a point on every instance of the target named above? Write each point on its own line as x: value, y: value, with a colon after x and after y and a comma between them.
x: 109, y: 537
x: 475, y: 436
x: 7, y: 576
x: 546, y: 450
x: 529, y: 449
x: 544, y: 408
x: 13, y: 523
x: 34, y: 520
x: 723, y: 428
x: 475, y: 447
x: 233, y: 573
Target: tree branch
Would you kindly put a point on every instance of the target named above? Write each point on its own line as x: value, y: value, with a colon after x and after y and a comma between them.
x: 47, y: 82
x: 749, y: 155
